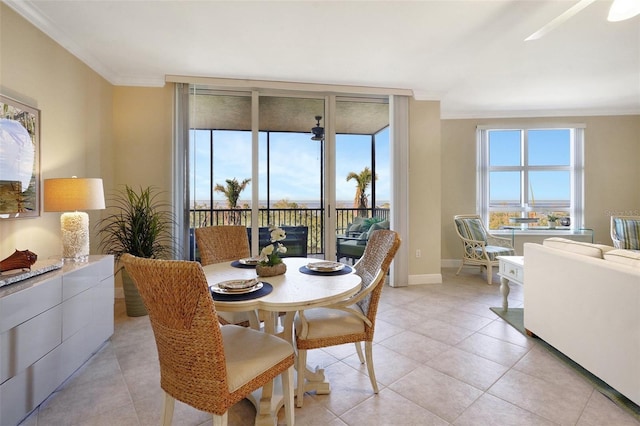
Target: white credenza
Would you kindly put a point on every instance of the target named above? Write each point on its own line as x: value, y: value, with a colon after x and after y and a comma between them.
x: 49, y: 326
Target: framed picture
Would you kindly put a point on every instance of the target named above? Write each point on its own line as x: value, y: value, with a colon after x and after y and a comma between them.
x: 19, y: 159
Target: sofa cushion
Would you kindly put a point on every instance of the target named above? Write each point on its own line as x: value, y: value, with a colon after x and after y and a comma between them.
x: 577, y: 247
x: 626, y: 257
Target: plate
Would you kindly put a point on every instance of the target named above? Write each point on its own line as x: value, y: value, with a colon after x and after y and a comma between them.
x: 325, y: 266
x: 249, y: 260
x: 217, y: 289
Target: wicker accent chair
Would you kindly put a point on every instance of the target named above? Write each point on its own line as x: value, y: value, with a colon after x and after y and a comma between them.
x: 479, y: 247
x: 352, y: 320
x: 625, y: 232
x: 202, y: 363
x: 225, y: 244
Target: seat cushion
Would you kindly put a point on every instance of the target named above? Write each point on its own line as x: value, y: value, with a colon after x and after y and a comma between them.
x: 326, y: 322
x: 242, y: 363
x: 494, y: 251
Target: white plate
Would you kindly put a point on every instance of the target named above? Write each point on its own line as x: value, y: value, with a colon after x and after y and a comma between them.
x: 325, y: 266
x: 249, y: 261
x: 216, y: 289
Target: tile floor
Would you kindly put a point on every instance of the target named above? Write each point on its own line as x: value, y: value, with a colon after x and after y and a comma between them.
x: 442, y: 357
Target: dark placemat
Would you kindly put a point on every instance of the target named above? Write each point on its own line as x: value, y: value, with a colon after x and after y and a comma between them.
x: 343, y: 271
x: 266, y: 289
x: 237, y: 264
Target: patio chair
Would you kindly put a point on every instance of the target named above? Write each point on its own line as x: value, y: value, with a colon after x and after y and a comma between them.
x: 625, y: 232
x: 202, y: 363
x: 352, y: 320
x: 479, y: 247
x: 224, y: 244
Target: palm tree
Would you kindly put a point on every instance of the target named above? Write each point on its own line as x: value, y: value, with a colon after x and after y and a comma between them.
x: 232, y: 192
x: 363, y: 179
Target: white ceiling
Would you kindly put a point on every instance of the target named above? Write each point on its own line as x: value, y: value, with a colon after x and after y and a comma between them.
x: 470, y: 55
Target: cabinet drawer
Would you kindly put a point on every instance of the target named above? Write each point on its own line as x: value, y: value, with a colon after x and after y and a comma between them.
x: 78, y: 281
x: 512, y: 272
x: 26, y: 343
x: 19, y: 307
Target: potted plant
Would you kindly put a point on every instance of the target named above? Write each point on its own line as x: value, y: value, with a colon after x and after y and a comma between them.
x: 552, y: 220
x: 141, y: 225
x: 270, y: 263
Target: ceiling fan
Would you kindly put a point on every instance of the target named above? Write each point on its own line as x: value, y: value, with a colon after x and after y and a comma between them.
x: 620, y: 10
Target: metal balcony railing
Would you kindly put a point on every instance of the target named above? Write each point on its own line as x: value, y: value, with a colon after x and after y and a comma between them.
x: 309, y: 217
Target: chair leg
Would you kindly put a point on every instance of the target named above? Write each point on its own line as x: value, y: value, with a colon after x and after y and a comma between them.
x: 368, y: 349
x: 221, y: 420
x: 460, y: 268
x: 301, y: 364
x: 489, y: 274
x: 287, y: 390
x: 167, y: 409
x: 359, y: 351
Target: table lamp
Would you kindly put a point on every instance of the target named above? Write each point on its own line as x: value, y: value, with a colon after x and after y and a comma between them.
x: 69, y: 195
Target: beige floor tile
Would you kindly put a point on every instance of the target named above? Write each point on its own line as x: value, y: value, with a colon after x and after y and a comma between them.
x: 415, y: 346
x: 390, y: 408
x: 439, y: 393
x: 557, y: 404
x: 441, y: 331
x: 469, y: 368
x: 491, y: 411
x: 496, y: 350
x: 389, y: 365
x: 601, y: 411
x: 504, y: 331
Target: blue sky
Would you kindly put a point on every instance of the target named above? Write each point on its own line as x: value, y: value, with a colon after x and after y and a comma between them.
x: 545, y: 147
x: 294, y: 165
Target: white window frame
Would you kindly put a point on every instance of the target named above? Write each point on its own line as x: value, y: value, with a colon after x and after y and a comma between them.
x: 576, y: 167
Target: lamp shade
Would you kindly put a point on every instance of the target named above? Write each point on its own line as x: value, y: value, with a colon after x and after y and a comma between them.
x: 69, y: 194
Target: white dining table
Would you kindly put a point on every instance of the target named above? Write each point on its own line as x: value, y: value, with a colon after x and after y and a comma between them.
x: 293, y: 291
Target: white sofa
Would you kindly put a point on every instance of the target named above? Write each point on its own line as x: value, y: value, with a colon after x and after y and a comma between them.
x: 584, y: 300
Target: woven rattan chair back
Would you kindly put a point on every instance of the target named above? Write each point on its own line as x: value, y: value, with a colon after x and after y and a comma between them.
x: 188, y: 337
x: 378, y: 255
x: 222, y: 243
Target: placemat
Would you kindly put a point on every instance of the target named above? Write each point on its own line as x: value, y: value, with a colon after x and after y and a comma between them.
x: 266, y: 289
x: 343, y: 271
x: 237, y: 264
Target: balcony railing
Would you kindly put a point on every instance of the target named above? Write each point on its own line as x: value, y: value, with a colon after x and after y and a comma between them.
x: 311, y: 218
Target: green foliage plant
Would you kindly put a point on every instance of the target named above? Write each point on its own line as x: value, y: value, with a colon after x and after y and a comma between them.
x: 140, y: 224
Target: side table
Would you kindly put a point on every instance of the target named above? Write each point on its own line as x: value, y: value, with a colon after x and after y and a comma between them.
x: 511, y: 269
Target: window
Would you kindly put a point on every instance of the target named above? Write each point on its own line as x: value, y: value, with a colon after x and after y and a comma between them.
x: 530, y: 173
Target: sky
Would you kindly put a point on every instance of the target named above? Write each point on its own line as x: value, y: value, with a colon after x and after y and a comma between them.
x: 294, y: 165
x: 545, y: 147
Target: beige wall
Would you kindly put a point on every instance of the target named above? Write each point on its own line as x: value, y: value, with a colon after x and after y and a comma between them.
x: 425, y: 190
x: 612, y: 152
x: 75, y: 107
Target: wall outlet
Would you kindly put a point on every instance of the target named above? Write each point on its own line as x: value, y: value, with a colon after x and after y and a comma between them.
x: 418, y: 253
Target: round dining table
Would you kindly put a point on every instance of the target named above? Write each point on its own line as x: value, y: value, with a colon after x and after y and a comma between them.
x: 298, y: 289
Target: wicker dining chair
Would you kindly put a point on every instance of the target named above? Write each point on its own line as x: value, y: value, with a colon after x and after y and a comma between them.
x: 202, y: 363
x: 352, y: 320
x: 224, y: 244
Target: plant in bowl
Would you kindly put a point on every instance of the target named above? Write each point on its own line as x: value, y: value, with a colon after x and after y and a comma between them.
x: 141, y: 224
x: 552, y: 219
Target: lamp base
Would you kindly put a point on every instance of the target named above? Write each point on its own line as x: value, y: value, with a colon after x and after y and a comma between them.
x: 75, y: 236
